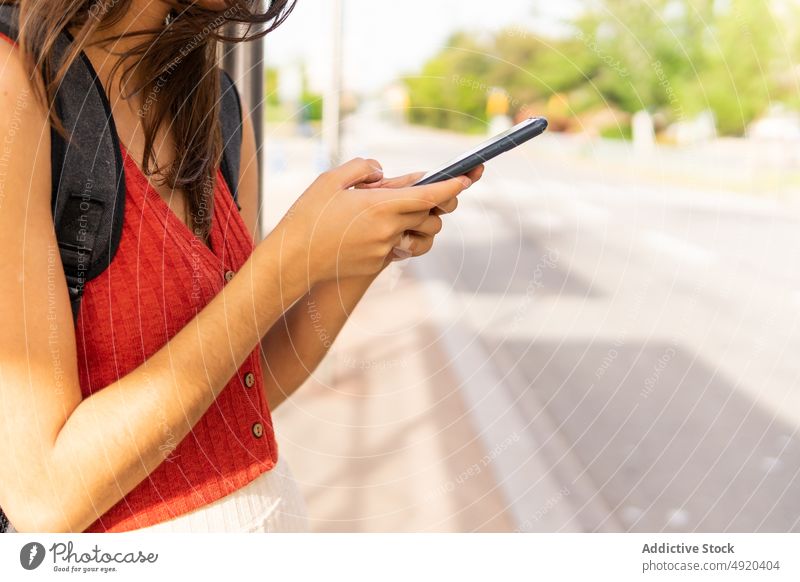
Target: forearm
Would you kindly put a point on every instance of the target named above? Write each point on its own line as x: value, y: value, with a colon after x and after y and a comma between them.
x: 298, y: 342
x: 118, y: 436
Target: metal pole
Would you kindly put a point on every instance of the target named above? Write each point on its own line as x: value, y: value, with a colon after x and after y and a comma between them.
x: 244, y: 62
x: 258, y: 80
x: 331, y: 107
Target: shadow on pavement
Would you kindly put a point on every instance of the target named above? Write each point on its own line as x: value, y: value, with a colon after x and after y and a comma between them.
x: 507, y: 266
x: 669, y: 443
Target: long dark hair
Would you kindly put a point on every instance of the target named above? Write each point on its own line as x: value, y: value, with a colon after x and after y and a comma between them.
x: 175, y: 72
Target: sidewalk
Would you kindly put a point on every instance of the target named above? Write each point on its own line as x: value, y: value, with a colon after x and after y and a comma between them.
x: 407, y: 425
x: 381, y: 439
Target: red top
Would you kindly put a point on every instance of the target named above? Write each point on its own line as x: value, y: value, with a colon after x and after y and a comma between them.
x: 160, y: 277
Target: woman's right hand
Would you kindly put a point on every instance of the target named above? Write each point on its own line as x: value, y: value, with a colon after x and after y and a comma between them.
x: 336, y: 230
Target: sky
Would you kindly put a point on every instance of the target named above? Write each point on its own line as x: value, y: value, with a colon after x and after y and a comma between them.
x: 385, y: 39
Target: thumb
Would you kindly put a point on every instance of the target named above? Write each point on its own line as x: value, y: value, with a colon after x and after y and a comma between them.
x: 357, y: 171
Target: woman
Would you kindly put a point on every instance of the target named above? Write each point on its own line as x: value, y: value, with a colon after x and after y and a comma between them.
x: 152, y: 410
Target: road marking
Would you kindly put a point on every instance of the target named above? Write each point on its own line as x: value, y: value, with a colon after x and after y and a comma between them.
x: 679, y: 249
x: 549, y: 222
x: 590, y: 213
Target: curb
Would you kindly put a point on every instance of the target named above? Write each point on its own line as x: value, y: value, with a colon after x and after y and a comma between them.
x: 538, y: 499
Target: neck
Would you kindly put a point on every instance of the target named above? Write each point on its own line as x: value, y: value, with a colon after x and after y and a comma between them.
x: 142, y: 15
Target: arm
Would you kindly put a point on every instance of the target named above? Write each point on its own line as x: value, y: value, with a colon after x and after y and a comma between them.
x: 67, y: 460
x: 297, y: 343
x: 71, y: 459
x: 299, y: 340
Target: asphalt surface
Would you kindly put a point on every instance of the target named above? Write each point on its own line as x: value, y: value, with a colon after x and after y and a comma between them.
x: 643, y: 328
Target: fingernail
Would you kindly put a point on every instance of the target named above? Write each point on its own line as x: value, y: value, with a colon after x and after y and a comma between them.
x: 466, y: 181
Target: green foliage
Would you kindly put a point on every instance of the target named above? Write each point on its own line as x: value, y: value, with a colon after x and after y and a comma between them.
x: 271, y: 81
x: 442, y: 95
x: 311, y: 106
x: 310, y: 102
x: 617, y: 132
x: 675, y: 57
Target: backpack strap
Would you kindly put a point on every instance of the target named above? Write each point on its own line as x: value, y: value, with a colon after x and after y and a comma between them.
x: 9, y: 21
x: 88, y: 181
x: 230, y: 118
x: 88, y: 176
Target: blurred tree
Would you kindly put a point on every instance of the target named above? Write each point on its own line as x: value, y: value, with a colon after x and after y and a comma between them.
x: 739, y: 81
x: 674, y: 57
x: 532, y: 69
x: 311, y: 102
x: 451, y: 91
x: 271, y: 80
x: 686, y: 56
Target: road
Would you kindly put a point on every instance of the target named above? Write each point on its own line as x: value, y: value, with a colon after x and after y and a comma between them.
x: 635, y: 334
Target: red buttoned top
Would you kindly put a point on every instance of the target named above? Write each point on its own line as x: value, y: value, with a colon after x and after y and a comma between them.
x: 161, y: 276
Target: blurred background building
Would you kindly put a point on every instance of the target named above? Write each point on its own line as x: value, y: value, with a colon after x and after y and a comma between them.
x: 605, y: 337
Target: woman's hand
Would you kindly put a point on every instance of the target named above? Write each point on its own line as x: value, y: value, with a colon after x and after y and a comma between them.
x: 335, y: 230
x: 419, y: 241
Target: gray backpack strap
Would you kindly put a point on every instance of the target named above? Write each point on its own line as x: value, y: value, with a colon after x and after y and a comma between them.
x: 230, y: 118
x: 88, y: 177
x: 9, y: 21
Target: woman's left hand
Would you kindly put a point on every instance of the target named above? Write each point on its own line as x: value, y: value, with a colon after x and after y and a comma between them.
x: 419, y: 241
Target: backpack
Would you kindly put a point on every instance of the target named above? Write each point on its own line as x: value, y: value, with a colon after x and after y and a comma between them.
x: 88, y: 179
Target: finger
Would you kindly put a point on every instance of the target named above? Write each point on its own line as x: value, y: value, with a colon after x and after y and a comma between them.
x: 397, y: 182
x: 446, y: 208
x: 411, y: 220
x: 431, y: 226
x: 413, y: 245
x: 369, y: 185
x: 356, y: 171
x: 475, y: 173
x: 421, y: 244
x: 403, y: 247
x: 404, y: 181
x: 416, y: 198
x: 373, y: 179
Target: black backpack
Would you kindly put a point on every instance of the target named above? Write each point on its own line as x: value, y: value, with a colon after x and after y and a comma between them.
x: 88, y: 190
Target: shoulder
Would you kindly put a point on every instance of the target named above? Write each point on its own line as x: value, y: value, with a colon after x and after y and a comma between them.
x: 14, y: 79
x: 24, y: 137
x: 18, y: 95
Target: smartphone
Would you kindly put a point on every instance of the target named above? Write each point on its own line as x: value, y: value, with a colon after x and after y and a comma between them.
x: 492, y: 148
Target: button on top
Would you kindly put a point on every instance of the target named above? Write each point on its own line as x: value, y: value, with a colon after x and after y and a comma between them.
x: 229, y: 275
x: 249, y: 379
x: 258, y: 430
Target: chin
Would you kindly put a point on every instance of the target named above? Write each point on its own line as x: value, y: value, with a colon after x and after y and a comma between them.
x: 212, y: 4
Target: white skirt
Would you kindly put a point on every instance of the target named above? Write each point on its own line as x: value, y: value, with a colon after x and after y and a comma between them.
x: 270, y: 503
